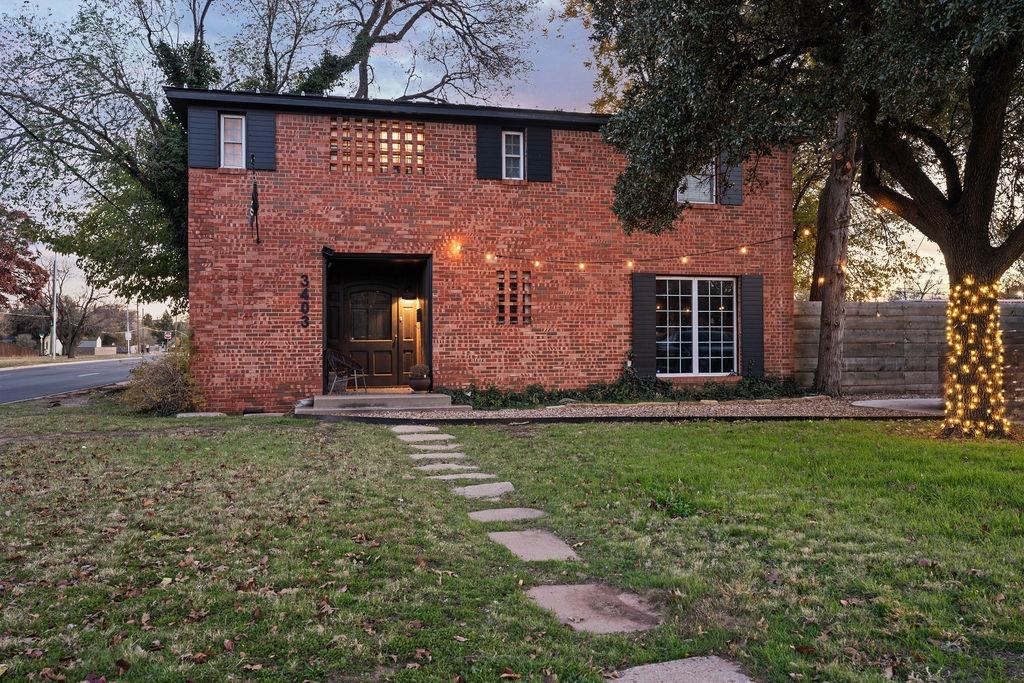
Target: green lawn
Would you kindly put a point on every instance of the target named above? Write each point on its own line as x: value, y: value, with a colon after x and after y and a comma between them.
x: 155, y: 549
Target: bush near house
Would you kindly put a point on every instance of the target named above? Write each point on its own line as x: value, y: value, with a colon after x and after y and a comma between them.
x: 627, y: 388
x: 164, y: 386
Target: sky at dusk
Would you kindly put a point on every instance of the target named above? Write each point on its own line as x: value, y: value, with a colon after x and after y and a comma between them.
x: 559, y: 79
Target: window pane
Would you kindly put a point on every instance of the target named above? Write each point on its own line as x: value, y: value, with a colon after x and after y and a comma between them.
x: 674, y: 331
x: 513, y: 144
x: 232, y: 129
x: 512, y: 165
x: 233, y: 154
x: 716, y: 326
x: 698, y: 189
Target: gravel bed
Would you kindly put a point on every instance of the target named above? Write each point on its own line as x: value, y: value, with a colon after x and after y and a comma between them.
x: 809, y: 407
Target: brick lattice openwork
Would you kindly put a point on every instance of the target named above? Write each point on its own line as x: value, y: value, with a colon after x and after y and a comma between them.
x: 361, y: 145
x: 515, y: 297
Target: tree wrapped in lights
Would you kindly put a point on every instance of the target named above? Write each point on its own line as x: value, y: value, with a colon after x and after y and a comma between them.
x: 933, y: 89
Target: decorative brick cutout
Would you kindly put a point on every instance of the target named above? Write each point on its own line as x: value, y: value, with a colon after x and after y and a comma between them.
x: 515, y: 297
x: 360, y: 145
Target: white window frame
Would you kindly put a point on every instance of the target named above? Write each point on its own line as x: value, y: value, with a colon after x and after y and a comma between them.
x: 521, y: 156
x: 710, y: 173
x: 694, y: 357
x: 223, y: 118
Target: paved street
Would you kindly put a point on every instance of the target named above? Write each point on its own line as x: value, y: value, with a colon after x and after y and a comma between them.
x: 43, y: 380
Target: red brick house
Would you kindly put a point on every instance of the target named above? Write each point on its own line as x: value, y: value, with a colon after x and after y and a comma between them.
x: 479, y: 241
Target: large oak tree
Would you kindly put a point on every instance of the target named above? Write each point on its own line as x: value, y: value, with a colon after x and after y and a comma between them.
x: 933, y: 91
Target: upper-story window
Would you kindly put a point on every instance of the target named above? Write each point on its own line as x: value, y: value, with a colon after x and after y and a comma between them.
x: 232, y: 141
x: 512, y: 155
x: 700, y: 188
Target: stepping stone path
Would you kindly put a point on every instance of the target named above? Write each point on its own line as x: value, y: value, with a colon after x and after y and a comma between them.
x: 534, y: 545
x: 495, y: 490
x: 424, y: 436
x: 447, y: 455
x: 595, y: 608
x: 462, y: 475
x: 445, y: 466
x: 436, y: 446
x: 590, y: 607
x: 506, y: 514
x: 414, y: 429
x: 690, y: 670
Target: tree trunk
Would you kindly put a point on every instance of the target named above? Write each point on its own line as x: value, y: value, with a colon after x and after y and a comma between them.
x: 974, y: 383
x: 829, y: 283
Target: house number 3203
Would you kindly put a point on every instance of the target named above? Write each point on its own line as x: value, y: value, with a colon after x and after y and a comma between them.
x: 304, y: 300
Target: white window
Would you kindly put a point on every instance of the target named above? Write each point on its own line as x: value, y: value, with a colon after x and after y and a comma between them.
x: 512, y: 155
x: 232, y: 141
x: 696, y: 326
x: 698, y: 189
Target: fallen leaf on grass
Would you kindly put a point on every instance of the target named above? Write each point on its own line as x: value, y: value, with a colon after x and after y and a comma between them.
x: 122, y: 666
x: 806, y: 649
x: 509, y: 674
x: 847, y: 602
x: 51, y: 675
x: 165, y: 582
x: 252, y: 667
x: 1000, y: 597
x: 3, y: 669
x: 461, y: 639
x: 229, y: 646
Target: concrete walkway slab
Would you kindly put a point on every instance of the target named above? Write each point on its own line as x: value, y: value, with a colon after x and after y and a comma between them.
x: 492, y: 491
x: 414, y: 429
x: 436, y: 446
x: 447, y: 455
x: 595, y: 608
x: 445, y: 467
x: 534, y: 545
x: 416, y: 438
x: 690, y: 670
x: 506, y: 514
x: 462, y: 475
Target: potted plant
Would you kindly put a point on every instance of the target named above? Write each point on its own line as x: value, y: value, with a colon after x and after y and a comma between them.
x: 419, y: 378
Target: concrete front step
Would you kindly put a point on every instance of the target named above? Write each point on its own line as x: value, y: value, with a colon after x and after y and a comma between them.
x: 381, y: 401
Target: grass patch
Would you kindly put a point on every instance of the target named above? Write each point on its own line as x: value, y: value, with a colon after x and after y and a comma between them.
x: 276, y: 549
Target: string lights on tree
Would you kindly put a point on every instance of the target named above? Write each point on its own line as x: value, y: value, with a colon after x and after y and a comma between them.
x: 975, y: 400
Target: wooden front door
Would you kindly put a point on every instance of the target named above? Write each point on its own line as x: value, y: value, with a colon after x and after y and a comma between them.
x: 379, y: 332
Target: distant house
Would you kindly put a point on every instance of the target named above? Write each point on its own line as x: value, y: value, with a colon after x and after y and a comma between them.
x: 47, y: 341
x: 95, y: 347
x: 479, y: 241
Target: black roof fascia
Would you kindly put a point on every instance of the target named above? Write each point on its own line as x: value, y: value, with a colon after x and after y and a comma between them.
x: 182, y: 98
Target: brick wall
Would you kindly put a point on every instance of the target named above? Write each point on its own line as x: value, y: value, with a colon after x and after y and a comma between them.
x: 244, y: 299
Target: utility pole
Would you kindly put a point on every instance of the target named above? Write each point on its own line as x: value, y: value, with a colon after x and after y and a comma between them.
x: 138, y: 324
x: 53, y: 311
x: 127, y: 328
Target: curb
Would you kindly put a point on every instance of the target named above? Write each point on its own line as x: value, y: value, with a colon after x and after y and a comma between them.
x: 62, y: 364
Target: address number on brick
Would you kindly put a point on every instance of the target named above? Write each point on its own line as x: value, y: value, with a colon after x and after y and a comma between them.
x: 304, y: 300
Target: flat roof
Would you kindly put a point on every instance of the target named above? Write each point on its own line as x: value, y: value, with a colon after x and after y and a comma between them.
x: 183, y: 98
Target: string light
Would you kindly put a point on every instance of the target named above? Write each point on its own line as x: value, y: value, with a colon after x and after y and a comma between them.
x: 536, y: 264
x: 975, y: 400
x: 457, y: 248
x: 807, y: 232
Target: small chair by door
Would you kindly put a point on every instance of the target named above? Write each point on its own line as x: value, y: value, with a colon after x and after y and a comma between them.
x: 341, y: 366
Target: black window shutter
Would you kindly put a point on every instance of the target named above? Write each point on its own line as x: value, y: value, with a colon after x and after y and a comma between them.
x: 203, y: 135
x: 752, y: 325
x: 731, y: 176
x: 644, y: 324
x: 260, y: 140
x: 538, y: 154
x: 488, y: 152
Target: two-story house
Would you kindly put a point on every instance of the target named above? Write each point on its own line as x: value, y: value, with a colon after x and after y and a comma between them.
x: 479, y: 241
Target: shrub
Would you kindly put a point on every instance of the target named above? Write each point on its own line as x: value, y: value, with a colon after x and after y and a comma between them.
x: 627, y: 388
x: 163, y: 386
